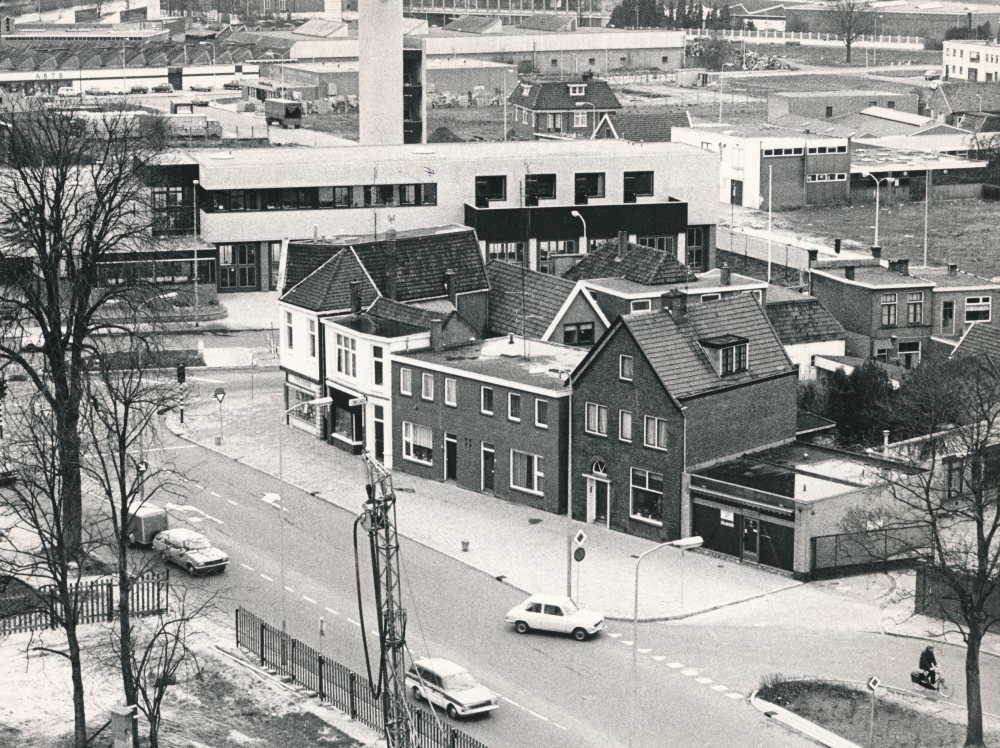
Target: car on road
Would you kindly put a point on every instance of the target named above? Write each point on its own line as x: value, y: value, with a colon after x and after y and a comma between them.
x: 95, y: 92
x: 138, y: 90
x: 201, y: 87
x: 163, y: 88
x: 449, y: 686
x: 233, y: 86
x: 555, y: 613
x: 190, y: 550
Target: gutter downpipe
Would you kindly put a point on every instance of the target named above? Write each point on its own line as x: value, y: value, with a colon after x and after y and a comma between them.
x: 685, y: 503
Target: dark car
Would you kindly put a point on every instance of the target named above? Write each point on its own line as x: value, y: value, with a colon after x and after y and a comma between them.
x: 233, y: 86
x: 203, y: 87
x: 138, y: 90
x: 163, y: 88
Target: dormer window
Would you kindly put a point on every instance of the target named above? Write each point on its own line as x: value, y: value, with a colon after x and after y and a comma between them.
x: 728, y: 353
x: 577, y: 90
x: 525, y: 89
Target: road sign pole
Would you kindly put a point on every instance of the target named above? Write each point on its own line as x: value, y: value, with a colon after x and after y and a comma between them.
x: 569, y: 564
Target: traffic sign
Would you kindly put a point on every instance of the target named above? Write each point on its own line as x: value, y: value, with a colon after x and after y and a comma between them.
x: 220, y: 394
x: 873, y: 683
x: 580, y: 538
x: 579, y: 554
x: 356, y: 401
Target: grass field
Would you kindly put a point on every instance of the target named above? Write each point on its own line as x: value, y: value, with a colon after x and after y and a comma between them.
x: 835, y: 56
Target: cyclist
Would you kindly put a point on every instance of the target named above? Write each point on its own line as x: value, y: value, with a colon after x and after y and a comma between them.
x: 928, y: 666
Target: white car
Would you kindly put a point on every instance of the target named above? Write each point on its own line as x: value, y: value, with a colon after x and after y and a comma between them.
x: 555, y: 613
x: 191, y: 550
x: 450, y: 687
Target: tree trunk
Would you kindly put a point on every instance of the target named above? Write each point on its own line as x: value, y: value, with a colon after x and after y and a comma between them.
x: 154, y: 728
x: 79, y: 712
x: 848, y: 45
x: 68, y: 423
x: 973, y: 693
x: 125, y: 626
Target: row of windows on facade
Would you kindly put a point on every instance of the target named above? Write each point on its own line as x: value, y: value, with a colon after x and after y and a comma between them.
x: 346, y: 348
x: 310, y: 198
x: 977, y: 309
x: 486, y: 397
x: 543, y: 186
x: 798, y: 151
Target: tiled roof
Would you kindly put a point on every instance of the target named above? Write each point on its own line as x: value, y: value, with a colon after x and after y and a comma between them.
x: 328, y: 289
x: 542, y: 296
x: 546, y: 95
x: 648, y: 127
x: 644, y: 265
x: 393, y: 311
x: 980, y: 340
x: 673, y: 350
x: 803, y: 321
x: 962, y: 96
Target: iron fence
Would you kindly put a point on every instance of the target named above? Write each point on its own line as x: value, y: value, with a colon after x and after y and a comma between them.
x: 336, y: 684
x: 860, y: 551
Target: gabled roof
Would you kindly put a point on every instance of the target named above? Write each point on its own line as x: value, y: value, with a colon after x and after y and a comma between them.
x: 645, y: 265
x: 672, y: 347
x: 962, y: 96
x: 648, y: 127
x: 803, y: 320
x: 979, y: 340
x: 328, y: 289
x: 393, y: 311
x: 553, y: 95
x: 475, y: 25
x: 541, y: 297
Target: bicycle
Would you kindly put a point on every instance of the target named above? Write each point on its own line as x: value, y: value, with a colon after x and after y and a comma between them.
x: 940, y: 685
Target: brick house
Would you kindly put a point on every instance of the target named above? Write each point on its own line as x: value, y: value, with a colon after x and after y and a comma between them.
x: 491, y: 416
x: 662, y: 392
x: 564, y: 108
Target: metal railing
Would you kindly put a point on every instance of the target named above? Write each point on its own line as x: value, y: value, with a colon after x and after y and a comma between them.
x: 804, y: 36
x: 861, y: 551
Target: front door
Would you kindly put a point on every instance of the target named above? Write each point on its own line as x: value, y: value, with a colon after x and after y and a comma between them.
x: 379, y: 422
x: 238, y: 266
x: 597, y: 500
x: 450, y: 457
x: 489, y: 466
x: 736, y: 192
x: 751, y: 539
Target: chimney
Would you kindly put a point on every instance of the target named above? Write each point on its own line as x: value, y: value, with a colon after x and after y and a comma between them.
x: 849, y: 272
x: 725, y: 275
x: 315, y: 232
x: 355, y: 297
x: 390, y: 264
x: 836, y: 246
x: 449, y: 285
x: 675, y: 302
x: 876, y: 252
x: 437, y: 334
x: 622, y: 243
x: 900, y: 266
x: 885, y: 441
x: 813, y: 256
x: 953, y: 270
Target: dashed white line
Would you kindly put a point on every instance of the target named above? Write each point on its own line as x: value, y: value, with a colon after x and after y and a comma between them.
x: 734, y: 695
x: 289, y: 588
x: 214, y: 519
x: 351, y: 620
x: 267, y: 577
x: 199, y: 486
x: 659, y: 658
x: 703, y: 681
x: 614, y: 636
x: 689, y: 672
x: 248, y: 568
x: 510, y: 701
x: 332, y: 611
x: 645, y: 651
x: 560, y: 726
x: 232, y: 502
x: 536, y: 714
x: 720, y: 689
x: 674, y: 665
x: 215, y: 494
x: 627, y: 643
x: 308, y: 599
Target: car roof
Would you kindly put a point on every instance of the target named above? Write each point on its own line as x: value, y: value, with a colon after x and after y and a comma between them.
x: 147, y: 510
x: 182, y: 533
x: 550, y: 599
x: 439, y: 665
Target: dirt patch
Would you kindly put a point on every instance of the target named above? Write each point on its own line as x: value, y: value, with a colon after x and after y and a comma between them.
x: 846, y: 711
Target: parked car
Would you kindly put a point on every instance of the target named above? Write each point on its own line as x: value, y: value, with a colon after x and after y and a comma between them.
x: 190, y: 550
x: 139, y: 90
x: 145, y: 523
x: 163, y: 88
x: 95, y: 92
x: 449, y: 686
x: 233, y: 86
x: 555, y: 613
x: 199, y: 101
x: 66, y: 91
x: 201, y: 87
x: 932, y: 75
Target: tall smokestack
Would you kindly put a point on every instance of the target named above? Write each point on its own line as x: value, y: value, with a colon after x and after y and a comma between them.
x: 380, y: 72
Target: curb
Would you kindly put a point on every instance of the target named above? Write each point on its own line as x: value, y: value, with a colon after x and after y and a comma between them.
x: 934, y: 641
x: 681, y: 616
x: 795, y: 723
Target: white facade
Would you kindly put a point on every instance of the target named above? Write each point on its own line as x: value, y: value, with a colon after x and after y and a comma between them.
x: 973, y: 61
x: 804, y: 354
x: 380, y: 77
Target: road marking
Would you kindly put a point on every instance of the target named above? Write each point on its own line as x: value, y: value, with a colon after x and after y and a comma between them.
x: 351, y: 620
x: 560, y: 726
x: 536, y: 714
x: 210, y: 381
x: 645, y: 651
x: 219, y: 521
x: 248, y: 568
x: 199, y: 487
x: 267, y: 577
x: 720, y: 689
x: 289, y: 588
x: 734, y: 695
x: 195, y: 520
x: 689, y: 672
x: 215, y: 494
x: 627, y: 643
x: 308, y: 599
x: 232, y: 502
x: 674, y: 665
x: 659, y: 658
x: 614, y: 636
x: 332, y: 611
x: 274, y: 500
x: 510, y: 701
x: 703, y: 681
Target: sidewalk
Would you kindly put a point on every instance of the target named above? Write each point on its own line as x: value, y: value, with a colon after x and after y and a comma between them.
x: 523, y: 547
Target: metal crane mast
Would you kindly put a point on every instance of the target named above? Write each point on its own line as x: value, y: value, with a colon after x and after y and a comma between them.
x: 379, y: 520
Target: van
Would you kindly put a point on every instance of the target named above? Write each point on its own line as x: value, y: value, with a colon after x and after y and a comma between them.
x: 66, y: 91
x: 145, y: 523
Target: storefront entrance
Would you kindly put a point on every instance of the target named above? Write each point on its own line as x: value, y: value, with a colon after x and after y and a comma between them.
x: 747, y: 533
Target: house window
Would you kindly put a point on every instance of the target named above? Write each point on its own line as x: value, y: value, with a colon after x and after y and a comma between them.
x: 625, y: 368
x: 581, y: 333
x: 662, y: 243
x: 590, y: 185
x: 579, y: 119
x: 513, y: 406
x: 710, y: 297
x: 418, y: 443
x: 555, y: 62
x: 450, y: 392
x: 915, y: 308
x: 553, y: 121
x: 511, y: 252
x: 829, y: 111
x: 405, y: 382
x: 596, y: 419
x: 909, y: 354
x: 486, y: 401
x: 491, y: 188
x: 592, y: 61
x: 888, y: 310
x: 695, y: 247
x: 734, y: 359
x: 526, y: 472
x: 524, y: 116
x: 890, y: 105
x: 347, y: 360
x: 641, y: 305
x: 882, y: 355
x: 954, y: 470
x: 977, y: 309
x: 948, y: 317
x: 427, y: 387
x: 647, y: 491
x: 312, y: 338
x: 377, y: 360
x: 541, y: 413
x: 625, y: 425
x: 638, y: 184
x: 577, y: 90
x: 656, y: 433
x: 288, y: 330
x: 664, y: 60
x: 540, y: 186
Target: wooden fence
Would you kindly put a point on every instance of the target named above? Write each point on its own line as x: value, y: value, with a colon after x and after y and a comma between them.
x: 336, y: 684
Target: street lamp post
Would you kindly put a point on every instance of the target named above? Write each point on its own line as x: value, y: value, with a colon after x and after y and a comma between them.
x: 590, y: 104
x: 722, y: 79
x: 878, y: 182
x: 586, y: 243
x: 684, y: 544
x: 194, y: 235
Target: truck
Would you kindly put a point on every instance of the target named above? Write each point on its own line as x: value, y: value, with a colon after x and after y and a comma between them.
x: 196, y: 126
x: 284, y: 112
x: 145, y: 522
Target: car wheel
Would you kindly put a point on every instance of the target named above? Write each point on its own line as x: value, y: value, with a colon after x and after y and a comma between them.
x: 521, y: 627
x: 190, y: 568
x: 579, y: 634
x: 452, y: 711
x: 416, y: 694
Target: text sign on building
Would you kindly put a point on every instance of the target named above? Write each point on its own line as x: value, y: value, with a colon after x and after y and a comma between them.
x: 356, y: 401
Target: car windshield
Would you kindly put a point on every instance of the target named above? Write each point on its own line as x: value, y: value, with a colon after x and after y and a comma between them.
x: 569, y: 608
x: 458, y: 682
x: 196, y: 544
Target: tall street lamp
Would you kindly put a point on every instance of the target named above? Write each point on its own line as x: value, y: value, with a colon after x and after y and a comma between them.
x: 194, y: 234
x: 586, y: 243
x: 878, y: 181
x: 684, y: 544
x: 590, y: 104
x: 721, y: 82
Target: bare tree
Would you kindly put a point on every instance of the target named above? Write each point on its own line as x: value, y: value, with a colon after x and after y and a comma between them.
x: 852, y: 19
x: 74, y: 196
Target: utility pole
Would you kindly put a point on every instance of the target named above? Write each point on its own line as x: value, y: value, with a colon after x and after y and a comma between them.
x: 379, y: 520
